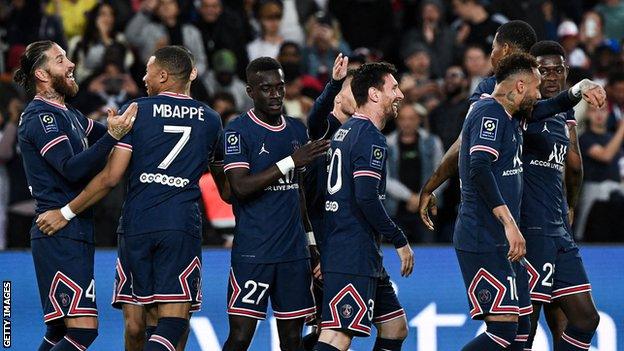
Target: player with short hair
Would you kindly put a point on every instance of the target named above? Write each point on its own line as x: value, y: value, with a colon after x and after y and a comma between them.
x: 486, y: 236
x: 160, y: 228
x: 61, y: 148
x: 558, y: 280
x: 264, y: 155
x: 356, y: 288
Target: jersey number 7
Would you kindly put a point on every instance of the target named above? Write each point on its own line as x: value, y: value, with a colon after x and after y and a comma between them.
x: 186, y: 135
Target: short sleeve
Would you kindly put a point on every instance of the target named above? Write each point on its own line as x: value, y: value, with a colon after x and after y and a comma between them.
x: 486, y: 131
x: 235, y: 150
x: 45, y: 131
x: 369, y: 156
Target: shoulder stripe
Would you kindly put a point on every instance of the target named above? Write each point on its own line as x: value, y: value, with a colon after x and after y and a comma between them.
x: 486, y: 149
x: 53, y: 142
x: 236, y: 165
x: 124, y: 146
x: 367, y: 174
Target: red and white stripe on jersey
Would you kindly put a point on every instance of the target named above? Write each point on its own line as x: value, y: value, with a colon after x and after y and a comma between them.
x: 295, y: 314
x: 572, y: 341
x: 525, y: 311
x: 257, y: 120
x: 52, y: 143
x: 89, y: 126
x: 356, y: 323
x: 50, y: 102
x: 236, y: 165
x: 163, y: 341
x: 522, y: 337
x: 571, y: 290
x: 123, y: 146
x: 389, y: 316
x: 501, y: 291
x: 487, y: 149
x: 367, y: 174
x: 49, y: 341
x: 534, y: 277
x: 74, y: 310
x: 176, y: 95
x: 118, y: 295
x: 75, y: 343
x: 245, y: 312
x: 497, y: 339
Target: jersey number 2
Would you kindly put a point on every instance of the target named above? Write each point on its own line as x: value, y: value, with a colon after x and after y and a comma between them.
x: 186, y: 135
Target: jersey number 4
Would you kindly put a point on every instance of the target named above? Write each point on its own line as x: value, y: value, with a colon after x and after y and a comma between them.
x: 186, y: 135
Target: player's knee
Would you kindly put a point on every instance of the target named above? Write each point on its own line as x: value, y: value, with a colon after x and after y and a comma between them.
x: 134, y: 329
x: 291, y: 341
x: 506, y: 331
x: 395, y: 329
x: 239, y: 339
x: 588, y: 322
x: 55, y: 332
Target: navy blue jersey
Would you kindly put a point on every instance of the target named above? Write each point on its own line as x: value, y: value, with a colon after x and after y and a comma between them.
x: 48, y: 135
x: 544, y: 154
x: 351, y: 245
x: 269, y: 228
x: 173, y: 139
x: 488, y: 128
x: 315, y: 181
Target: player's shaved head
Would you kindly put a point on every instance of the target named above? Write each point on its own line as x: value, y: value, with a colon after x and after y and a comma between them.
x: 515, y: 63
x: 547, y: 48
x: 177, y: 61
x: 518, y: 34
x: 369, y: 75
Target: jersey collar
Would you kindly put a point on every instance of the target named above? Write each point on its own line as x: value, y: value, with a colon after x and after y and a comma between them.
x: 175, y: 95
x: 257, y: 120
x: 50, y: 102
x: 361, y: 116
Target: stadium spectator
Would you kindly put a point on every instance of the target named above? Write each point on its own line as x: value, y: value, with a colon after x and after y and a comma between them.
x: 87, y: 51
x: 418, y: 84
x: 530, y: 11
x: 269, y: 40
x: 366, y: 23
x: 158, y: 25
x: 223, y: 78
x: 592, y: 31
x: 221, y: 28
x: 296, y: 104
x: 26, y: 22
x: 475, y: 25
x: 323, y: 44
x: 432, y: 31
x: 8, y: 137
x: 72, y: 14
x: 613, y: 13
x: 222, y: 102
x: 569, y: 38
x: 296, y: 13
x: 413, y: 154
x: 477, y: 66
x: 615, y: 100
x: 602, y: 152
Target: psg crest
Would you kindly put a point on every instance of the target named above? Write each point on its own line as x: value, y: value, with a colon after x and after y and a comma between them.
x: 346, y: 311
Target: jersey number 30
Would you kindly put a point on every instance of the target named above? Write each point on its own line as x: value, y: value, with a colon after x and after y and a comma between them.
x: 186, y: 135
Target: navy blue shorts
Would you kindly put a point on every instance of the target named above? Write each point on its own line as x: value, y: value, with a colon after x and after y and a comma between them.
x: 351, y: 303
x: 64, y: 269
x: 555, y: 268
x: 160, y: 267
x: 288, y: 284
x: 494, y: 284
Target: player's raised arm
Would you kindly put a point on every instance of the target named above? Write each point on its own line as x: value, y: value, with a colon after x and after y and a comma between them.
x: 317, y: 118
x: 587, y: 90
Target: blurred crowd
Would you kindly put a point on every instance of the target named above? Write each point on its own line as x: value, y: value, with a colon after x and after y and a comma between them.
x: 441, y: 48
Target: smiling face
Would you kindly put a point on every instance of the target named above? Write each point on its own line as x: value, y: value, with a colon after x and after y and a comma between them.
x: 152, y: 78
x: 59, y: 71
x: 390, y: 97
x: 267, y: 89
x: 554, y: 72
x: 531, y: 92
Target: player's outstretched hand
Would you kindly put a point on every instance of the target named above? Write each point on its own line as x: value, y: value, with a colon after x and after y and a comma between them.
x: 517, y: 244
x: 593, y: 93
x: 339, y: 71
x: 315, y: 256
x: 51, y: 221
x: 428, y: 202
x: 118, y: 126
x: 308, y: 152
x: 407, y: 260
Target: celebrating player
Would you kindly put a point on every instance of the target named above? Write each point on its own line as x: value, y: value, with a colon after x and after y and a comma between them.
x: 264, y: 152
x: 60, y: 149
x: 159, y: 263
x: 486, y: 235
x: 357, y: 289
x: 558, y: 280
